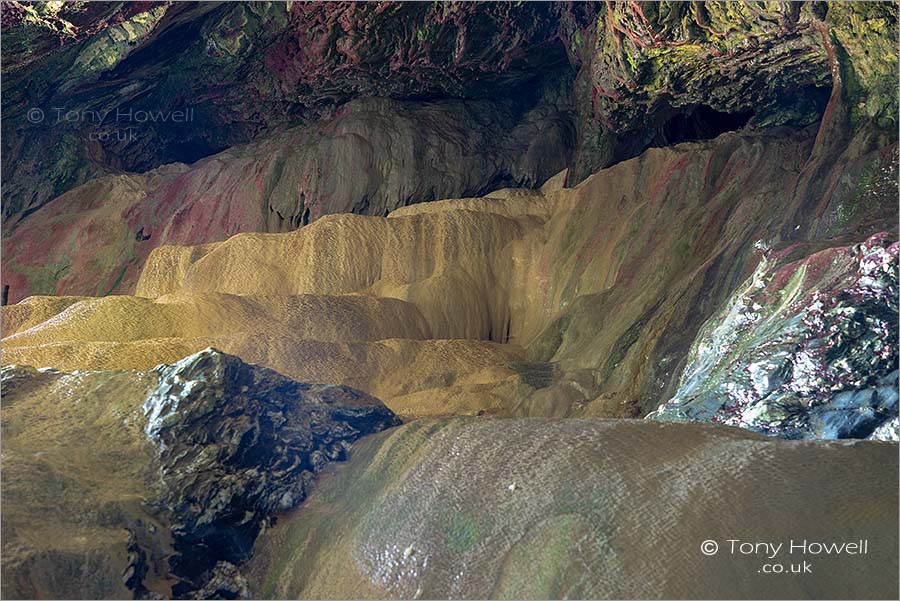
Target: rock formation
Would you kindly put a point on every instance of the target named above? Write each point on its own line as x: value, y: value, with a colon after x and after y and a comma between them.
x: 512, y: 226
x: 647, y: 75
x: 565, y: 301
x: 657, y: 73
x: 806, y: 351
x: 185, y: 464
x: 557, y: 509
x: 399, y: 153
x: 244, y: 69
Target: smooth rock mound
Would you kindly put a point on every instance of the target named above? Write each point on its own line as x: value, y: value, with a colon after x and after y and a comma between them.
x: 344, y: 318
x: 585, y: 509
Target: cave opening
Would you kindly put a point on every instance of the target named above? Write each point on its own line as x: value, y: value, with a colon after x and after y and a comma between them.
x: 700, y: 123
x: 187, y: 151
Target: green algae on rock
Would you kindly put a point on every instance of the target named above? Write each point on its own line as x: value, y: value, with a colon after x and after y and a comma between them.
x: 654, y: 73
x: 159, y: 480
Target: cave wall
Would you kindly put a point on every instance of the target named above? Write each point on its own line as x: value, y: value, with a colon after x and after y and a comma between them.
x: 644, y: 66
x: 584, y: 85
x: 635, y: 74
x: 559, y: 301
x: 675, y: 210
x: 244, y: 69
x: 343, y: 107
x: 374, y: 156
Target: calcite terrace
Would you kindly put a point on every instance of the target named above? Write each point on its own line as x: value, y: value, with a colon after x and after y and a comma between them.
x: 449, y: 300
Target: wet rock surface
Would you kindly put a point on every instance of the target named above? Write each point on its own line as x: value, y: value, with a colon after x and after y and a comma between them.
x: 239, y: 443
x: 802, y: 350
x: 186, y: 464
x: 586, y: 509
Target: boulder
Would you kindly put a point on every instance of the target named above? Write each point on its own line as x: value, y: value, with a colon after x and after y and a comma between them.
x: 807, y: 349
x: 130, y: 483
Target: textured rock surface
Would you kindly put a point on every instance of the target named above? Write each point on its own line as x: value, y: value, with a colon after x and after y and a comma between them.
x: 33, y: 311
x: 186, y: 463
x: 269, y: 199
x: 375, y: 156
x: 595, y: 292
x: 275, y: 65
x: 807, y: 350
x: 348, y: 318
x: 238, y: 443
x: 656, y: 73
x: 649, y: 75
x: 587, y: 509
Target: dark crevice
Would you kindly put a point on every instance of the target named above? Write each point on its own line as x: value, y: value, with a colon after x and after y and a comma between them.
x: 700, y: 123
x: 362, y: 206
x: 191, y: 150
x: 302, y: 218
x: 498, y: 182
